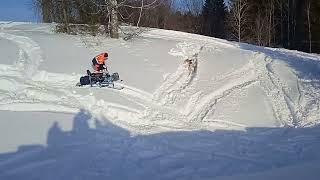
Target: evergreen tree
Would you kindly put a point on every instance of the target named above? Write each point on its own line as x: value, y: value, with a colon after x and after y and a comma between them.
x: 214, y: 14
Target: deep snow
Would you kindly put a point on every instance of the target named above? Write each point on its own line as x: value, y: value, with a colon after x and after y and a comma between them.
x: 237, y: 112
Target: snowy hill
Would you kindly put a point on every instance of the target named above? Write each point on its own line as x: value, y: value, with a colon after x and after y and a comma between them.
x: 192, y: 107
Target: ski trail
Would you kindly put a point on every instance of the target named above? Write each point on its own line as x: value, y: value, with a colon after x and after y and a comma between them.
x: 285, y: 109
x: 177, y: 104
x: 271, y: 86
x: 178, y: 85
x: 135, y: 92
x: 199, y: 108
x: 30, y: 54
x: 174, y: 84
x: 309, y: 102
x: 198, y: 103
x: 55, y: 92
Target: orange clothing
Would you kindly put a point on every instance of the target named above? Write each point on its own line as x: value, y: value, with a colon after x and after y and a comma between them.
x: 100, y: 58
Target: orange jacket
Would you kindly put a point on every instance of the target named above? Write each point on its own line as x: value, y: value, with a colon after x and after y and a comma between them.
x: 100, y: 58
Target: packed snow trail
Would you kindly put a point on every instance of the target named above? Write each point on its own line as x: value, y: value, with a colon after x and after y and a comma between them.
x: 184, y: 99
x: 30, y: 54
x: 198, y: 84
x: 46, y: 91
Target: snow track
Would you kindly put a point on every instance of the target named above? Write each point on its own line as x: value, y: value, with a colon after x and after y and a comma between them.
x: 287, y: 109
x: 30, y: 54
x: 187, y: 105
x: 23, y: 84
x: 178, y: 82
x: 201, y: 121
x: 184, y: 100
x: 274, y: 89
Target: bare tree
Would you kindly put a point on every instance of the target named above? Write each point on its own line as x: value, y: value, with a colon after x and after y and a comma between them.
x: 288, y: 23
x: 259, y: 28
x: 238, y: 15
x: 114, y: 21
x: 281, y: 6
x: 114, y: 6
x: 308, y: 8
x: 44, y: 9
x: 65, y: 15
x: 141, y: 8
x: 270, y: 20
x: 67, y: 11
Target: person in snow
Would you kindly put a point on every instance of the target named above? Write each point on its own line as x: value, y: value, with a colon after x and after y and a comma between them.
x: 98, y: 62
x: 191, y: 65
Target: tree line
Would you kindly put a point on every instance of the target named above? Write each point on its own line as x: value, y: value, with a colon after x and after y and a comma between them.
x: 292, y: 24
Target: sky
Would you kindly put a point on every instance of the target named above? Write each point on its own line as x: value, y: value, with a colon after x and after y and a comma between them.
x: 17, y: 10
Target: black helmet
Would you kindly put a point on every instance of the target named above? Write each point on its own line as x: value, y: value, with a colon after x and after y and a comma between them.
x: 106, y: 54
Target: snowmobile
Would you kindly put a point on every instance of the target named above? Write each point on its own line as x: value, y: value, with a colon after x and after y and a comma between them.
x: 100, y: 79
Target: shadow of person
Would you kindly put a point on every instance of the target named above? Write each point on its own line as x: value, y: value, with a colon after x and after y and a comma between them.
x: 81, y: 121
x: 55, y: 135
x: 109, y: 152
x: 80, y: 131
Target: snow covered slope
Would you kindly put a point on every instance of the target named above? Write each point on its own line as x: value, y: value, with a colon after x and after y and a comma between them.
x: 193, y: 107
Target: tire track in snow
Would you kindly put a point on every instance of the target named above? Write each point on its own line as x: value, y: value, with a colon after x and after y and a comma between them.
x: 29, y: 59
x: 162, y: 111
x: 30, y: 54
x: 198, y: 105
x: 177, y: 82
x: 239, y: 80
x: 271, y: 88
x: 46, y: 84
x: 303, y: 111
x: 310, y: 99
x: 284, y: 107
x: 55, y: 93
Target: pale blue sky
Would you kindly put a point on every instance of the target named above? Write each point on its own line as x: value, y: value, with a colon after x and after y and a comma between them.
x: 16, y: 10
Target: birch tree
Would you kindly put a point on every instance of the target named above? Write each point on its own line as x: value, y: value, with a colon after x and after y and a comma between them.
x: 114, y: 21
x: 239, y: 16
x: 114, y: 5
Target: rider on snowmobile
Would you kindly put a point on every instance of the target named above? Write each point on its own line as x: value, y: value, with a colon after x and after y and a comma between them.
x: 98, y: 62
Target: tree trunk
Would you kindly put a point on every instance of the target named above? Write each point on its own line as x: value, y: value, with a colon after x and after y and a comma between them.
x: 270, y: 23
x: 239, y: 18
x: 114, y: 23
x: 46, y: 11
x: 288, y: 19
x: 140, y: 13
x: 309, y: 26
x: 65, y: 16
x: 281, y: 23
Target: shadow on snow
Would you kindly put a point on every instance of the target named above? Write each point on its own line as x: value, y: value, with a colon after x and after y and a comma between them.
x: 109, y: 152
